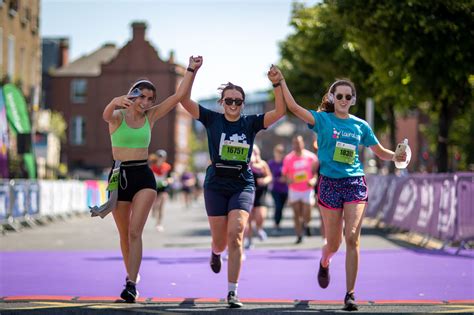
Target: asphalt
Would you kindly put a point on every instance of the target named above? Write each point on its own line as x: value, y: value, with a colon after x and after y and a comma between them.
x: 30, y: 262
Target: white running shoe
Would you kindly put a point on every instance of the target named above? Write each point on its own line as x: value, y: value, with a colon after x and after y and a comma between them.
x: 262, y: 235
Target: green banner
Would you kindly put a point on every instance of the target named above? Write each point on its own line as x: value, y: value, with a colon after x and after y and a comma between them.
x: 17, y: 112
x: 19, y: 120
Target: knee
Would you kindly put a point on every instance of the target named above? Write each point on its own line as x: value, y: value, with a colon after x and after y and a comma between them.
x: 134, y: 235
x: 219, y: 245
x: 234, y: 239
x: 352, y: 241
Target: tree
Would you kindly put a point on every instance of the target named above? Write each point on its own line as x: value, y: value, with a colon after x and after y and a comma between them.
x: 426, y: 48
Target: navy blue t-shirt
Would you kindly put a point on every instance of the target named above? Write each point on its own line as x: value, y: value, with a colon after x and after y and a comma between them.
x: 225, y: 136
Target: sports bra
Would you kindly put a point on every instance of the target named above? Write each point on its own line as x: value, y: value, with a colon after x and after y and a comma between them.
x: 127, y: 137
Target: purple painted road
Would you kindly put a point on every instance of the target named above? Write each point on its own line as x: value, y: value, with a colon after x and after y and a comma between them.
x: 267, y: 274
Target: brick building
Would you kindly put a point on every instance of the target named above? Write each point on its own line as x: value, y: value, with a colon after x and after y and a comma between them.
x: 82, y: 88
x: 20, y: 53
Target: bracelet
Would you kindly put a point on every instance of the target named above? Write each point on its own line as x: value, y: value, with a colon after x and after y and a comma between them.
x: 277, y: 84
x: 190, y: 69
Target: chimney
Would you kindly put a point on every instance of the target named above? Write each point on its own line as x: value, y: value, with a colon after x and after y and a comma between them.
x: 63, y: 52
x: 139, y: 30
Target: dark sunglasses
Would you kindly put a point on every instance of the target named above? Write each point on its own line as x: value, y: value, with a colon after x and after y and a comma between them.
x: 340, y: 96
x: 236, y: 101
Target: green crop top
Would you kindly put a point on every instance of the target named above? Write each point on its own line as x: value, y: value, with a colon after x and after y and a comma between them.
x: 126, y: 137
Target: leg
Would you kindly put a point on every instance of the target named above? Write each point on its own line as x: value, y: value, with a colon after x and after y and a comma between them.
x: 237, y: 220
x: 333, y: 223
x: 278, y: 208
x: 297, y: 214
x: 322, y: 228
x: 306, y: 210
x: 218, y: 225
x: 141, y: 205
x: 122, y: 221
x: 353, y: 215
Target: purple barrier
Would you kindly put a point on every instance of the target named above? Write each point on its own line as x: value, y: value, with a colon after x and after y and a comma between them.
x: 437, y: 205
x: 465, y: 198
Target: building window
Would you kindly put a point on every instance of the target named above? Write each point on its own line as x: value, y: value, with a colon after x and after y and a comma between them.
x: 78, y: 90
x: 13, y: 9
x: 78, y: 131
x: 11, y: 57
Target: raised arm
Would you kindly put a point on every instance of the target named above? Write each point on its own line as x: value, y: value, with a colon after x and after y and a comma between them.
x: 300, y: 112
x: 110, y: 115
x: 191, y: 106
x: 164, y: 107
x: 280, y: 109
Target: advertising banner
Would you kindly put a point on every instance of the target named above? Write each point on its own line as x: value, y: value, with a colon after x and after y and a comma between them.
x: 3, y: 138
x: 4, y: 200
x: 18, y: 117
x: 438, y: 205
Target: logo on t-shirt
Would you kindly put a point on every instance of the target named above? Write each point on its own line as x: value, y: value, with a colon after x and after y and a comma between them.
x: 339, y: 134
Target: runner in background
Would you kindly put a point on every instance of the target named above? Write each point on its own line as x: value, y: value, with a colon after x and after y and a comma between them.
x: 300, y: 168
x: 161, y: 170
x: 278, y: 186
x: 262, y: 176
x: 188, y: 184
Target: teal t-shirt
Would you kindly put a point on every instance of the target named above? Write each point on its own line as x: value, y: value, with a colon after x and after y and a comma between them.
x: 338, y: 143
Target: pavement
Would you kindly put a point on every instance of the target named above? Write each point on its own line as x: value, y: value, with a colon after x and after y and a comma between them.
x: 73, y: 266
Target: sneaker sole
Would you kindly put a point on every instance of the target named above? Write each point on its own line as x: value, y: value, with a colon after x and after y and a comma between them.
x: 235, y: 305
x: 350, y: 307
x: 127, y: 297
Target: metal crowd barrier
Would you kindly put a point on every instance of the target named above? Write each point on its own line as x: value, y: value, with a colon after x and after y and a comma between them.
x: 436, y: 205
x: 27, y: 202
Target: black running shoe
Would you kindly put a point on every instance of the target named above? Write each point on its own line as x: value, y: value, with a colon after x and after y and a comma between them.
x: 299, y: 240
x: 323, y: 276
x: 349, y: 302
x: 130, y: 293
x: 308, y: 231
x: 233, y: 300
x: 215, y: 263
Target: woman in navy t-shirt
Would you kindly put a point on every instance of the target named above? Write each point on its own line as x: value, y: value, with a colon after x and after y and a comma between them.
x: 229, y: 187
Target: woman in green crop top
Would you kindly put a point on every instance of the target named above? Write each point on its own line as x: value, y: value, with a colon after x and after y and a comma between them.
x: 130, y: 132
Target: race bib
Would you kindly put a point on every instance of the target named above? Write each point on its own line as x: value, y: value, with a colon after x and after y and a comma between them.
x: 114, y: 180
x: 301, y: 176
x: 344, y: 153
x: 235, y: 151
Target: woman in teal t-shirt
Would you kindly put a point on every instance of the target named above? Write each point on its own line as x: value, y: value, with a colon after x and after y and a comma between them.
x: 342, y: 190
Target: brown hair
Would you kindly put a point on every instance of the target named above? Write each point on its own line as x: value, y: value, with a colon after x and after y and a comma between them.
x: 328, y: 106
x: 230, y: 86
x: 144, y: 84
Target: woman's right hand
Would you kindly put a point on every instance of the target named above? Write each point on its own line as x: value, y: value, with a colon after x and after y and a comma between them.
x: 123, y: 101
x: 195, y: 62
x: 274, y: 74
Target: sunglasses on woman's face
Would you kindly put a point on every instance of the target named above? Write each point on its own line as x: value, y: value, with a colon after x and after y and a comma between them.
x: 340, y: 96
x: 236, y: 101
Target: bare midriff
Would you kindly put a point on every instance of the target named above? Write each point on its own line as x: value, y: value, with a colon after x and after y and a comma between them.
x: 129, y: 154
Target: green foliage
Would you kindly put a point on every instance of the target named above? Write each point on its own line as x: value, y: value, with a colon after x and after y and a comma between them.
x: 421, y: 51
x: 58, y: 125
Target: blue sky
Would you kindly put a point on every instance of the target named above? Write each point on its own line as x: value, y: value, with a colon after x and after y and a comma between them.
x: 238, y: 39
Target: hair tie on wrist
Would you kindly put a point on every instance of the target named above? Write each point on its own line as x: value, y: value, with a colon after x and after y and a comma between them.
x: 190, y: 69
x: 277, y: 84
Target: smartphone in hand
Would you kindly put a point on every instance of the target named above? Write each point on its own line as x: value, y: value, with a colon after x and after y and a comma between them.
x: 134, y: 94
